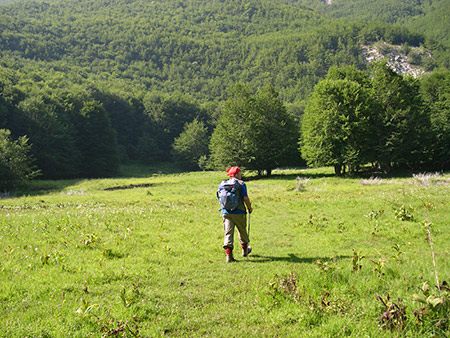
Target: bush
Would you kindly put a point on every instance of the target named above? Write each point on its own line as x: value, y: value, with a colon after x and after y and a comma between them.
x: 16, y: 165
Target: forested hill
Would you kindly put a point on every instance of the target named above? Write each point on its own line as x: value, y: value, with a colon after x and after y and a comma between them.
x: 94, y: 82
x: 195, y: 46
x: 431, y: 17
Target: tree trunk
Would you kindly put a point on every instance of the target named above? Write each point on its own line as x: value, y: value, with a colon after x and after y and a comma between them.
x: 337, y: 169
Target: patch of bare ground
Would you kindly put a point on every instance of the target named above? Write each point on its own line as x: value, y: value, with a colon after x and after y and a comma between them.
x: 129, y: 186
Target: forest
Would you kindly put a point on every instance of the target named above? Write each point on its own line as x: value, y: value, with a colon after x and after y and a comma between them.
x: 427, y: 16
x: 87, y: 85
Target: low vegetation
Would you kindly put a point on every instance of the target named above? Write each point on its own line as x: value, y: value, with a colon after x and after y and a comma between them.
x: 142, y: 257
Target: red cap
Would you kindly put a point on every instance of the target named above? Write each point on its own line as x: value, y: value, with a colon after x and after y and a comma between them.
x: 232, y: 171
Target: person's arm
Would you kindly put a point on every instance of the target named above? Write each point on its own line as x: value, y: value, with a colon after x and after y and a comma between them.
x: 244, y: 195
x: 248, y: 204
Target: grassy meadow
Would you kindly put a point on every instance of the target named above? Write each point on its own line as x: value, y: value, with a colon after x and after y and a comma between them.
x: 143, y: 257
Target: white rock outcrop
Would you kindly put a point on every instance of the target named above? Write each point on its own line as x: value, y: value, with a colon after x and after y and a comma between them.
x: 397, y: 60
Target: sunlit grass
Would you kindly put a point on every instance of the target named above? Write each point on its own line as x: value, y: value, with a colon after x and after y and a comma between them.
x: 145, y: 258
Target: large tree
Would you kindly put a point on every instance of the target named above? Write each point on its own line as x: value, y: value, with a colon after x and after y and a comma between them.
x: 254, y: 132
x: 353, y: 119
x: 336, y: 126
x: 435, y: 89
x: 402, y: 122
x: 51, y: 136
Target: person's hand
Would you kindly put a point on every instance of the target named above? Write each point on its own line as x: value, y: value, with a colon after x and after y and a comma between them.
x: 250, y: 209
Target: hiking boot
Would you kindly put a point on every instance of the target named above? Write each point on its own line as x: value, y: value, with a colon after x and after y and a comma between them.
x: 230, y: 259
x: 246, y: 251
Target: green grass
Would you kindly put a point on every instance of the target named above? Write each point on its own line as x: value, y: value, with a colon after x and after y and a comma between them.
x: 146, y: 257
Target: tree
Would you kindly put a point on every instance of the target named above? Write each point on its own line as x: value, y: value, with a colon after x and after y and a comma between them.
x: 53, y: 143
x: 229, y: 143
x: 349, y: 73
x: 95, y: 138
x: 147, y: 149
x: 401, y: 123
x: 16, y: 164
x: 191, y: 145
x: 336, y: 126
x: 127, y: 119
x: 435, y: 90
x: 254, y: 132
x: 170, y: 113
x: 273, y: 134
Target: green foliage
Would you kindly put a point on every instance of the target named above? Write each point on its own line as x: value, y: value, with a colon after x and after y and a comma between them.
x: 349, y: 108
x: 170, y: 114
x: 410, y: 12
x: 148, y: 150
x: 427, y: 20
x: 254, y: 132
x: 402, y: 123
x: 403, y: 213
x: 356, y: 261
x: 435, y: 90
x: 152, y: 67
x: 229, y: 142
x: 273, y: 133
x: 336, y: 126
x: 199, y: 48
x: 16, y: 162
x: 434, y: 309
x: 192, y: 145
x: 96, y: 139
x: 50, y: 131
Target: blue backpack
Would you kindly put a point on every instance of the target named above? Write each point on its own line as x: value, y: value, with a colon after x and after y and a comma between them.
x: 228, y: 194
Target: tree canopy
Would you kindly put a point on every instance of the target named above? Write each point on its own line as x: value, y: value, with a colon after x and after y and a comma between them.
x: 353, y: 119
x: 337, y: 125
x: 254, y: 132
x: 435, y: 91
x: 15, y: 163
x: 199, y: 48
x: 190, y: 148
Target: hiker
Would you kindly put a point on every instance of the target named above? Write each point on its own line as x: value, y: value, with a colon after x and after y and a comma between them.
x: 235, y: 215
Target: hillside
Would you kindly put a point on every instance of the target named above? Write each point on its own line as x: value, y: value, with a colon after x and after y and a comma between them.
x: 95, y: 83
x: 195, y: 47
x: 405, y: 60
x: 430, y: 17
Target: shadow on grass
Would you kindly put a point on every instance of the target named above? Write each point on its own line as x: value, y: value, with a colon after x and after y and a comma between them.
x: 282, y: 176
x: 365, y: 172
x: 132, y: 169
x: 136, y: 169
x: 291, y: 258
x: 40, y: 187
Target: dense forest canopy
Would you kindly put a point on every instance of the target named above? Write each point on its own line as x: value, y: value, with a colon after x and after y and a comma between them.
x: 94, y: 82
x: 431, y: 17
x: 195, y: 47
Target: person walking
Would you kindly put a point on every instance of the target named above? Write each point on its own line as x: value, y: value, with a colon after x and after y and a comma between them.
x: 236, y: 217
